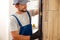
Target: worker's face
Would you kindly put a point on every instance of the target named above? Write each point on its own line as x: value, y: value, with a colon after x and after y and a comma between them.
x: 22, y: 7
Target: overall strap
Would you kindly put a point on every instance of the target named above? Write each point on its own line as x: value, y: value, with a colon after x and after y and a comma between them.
x: 29, y: 16
x: 18, y: 21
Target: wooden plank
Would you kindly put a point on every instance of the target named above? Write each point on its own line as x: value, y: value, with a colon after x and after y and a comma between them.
x: 45, y: 5
x: 50, y: 25
x: 53, y: 4
x: 59, y: 23
x: 55, y: 18
x: 51, y: 19
x: 45, y: 25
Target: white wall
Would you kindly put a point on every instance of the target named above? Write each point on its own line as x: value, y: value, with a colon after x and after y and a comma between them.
x: 4, y: 20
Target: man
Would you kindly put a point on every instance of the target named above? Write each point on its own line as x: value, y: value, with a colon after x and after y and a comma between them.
x: 23, y: 17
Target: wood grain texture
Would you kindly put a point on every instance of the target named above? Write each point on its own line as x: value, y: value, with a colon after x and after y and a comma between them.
x: 51, y: 20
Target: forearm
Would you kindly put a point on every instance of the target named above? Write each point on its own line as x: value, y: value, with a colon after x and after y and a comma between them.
x: 20, y: 37
x: 34, y: 12
x: 15, y: 35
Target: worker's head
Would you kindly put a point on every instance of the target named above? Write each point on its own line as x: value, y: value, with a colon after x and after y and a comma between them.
x: 21, y: 5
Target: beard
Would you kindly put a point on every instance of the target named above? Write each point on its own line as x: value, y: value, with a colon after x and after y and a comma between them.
x: 23, y: 10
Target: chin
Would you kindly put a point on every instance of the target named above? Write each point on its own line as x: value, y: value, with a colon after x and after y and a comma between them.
x: 24, y: 10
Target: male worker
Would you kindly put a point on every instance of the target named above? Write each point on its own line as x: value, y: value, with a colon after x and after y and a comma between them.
x: 20, y: 19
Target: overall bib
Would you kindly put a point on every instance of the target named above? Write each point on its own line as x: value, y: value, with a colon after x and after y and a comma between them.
x: 27, y: 29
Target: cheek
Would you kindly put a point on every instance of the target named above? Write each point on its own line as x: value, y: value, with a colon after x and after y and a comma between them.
x: 19, y: 7
x: 24, y: 7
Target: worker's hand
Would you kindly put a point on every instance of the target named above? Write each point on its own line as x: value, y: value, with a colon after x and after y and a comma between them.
x: 34, y: 12
x: 22, y: 37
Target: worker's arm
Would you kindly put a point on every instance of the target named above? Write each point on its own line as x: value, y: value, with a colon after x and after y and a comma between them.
x: 16, y: 36
x: 34, y: 12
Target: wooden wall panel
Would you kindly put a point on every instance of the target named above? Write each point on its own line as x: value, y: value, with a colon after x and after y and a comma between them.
x: 45, y: 26
x: 59, y: 23
x: 53, y: 4
x: 51, y: 20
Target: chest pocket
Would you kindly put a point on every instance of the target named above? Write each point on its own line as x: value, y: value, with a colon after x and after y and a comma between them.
x: 27, y: 29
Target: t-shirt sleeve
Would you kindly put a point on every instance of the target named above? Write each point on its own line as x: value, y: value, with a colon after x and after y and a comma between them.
x: 13, y: 24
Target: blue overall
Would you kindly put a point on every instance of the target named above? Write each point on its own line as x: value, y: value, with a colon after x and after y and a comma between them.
x: 27, y: 29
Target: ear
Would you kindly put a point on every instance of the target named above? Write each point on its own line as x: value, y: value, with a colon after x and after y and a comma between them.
x: 16, y: 6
